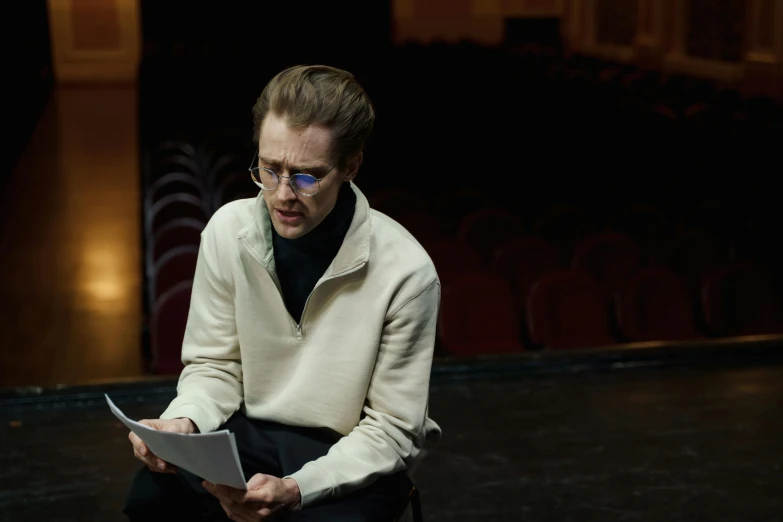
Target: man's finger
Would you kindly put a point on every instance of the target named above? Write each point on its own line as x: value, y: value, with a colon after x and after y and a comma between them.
x: 135, y: 440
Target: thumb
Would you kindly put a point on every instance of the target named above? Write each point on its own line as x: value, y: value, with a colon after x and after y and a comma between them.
x: 159, y: 424
x: 256, y: 481
x: 151, y: 423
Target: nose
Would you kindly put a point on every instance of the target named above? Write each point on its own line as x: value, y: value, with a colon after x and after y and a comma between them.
x: 284, y: 190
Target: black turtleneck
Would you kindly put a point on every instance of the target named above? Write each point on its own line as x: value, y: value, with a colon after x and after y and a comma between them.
x: 301, y: 262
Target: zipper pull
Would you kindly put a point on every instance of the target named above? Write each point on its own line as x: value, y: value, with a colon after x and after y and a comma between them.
x: 299, y: 331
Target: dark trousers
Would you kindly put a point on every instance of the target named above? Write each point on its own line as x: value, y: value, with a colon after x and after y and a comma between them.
x: 271, y: 449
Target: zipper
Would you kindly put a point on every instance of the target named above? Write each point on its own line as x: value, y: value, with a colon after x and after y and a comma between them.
x: 298, y: 326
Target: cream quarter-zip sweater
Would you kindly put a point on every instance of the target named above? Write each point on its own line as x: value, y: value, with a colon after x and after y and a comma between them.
x: 357, y: 363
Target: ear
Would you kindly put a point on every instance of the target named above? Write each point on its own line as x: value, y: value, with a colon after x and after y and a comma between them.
x: 353, y: 167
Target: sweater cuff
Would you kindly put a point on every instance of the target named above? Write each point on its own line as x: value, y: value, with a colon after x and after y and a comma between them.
x: 314, y: 484
x: 200, y: 418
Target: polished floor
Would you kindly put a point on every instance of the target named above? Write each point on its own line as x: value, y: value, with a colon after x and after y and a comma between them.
x: 69, y: 236
x: 652, y: 445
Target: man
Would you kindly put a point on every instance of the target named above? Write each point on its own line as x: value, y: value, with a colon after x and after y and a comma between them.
x: 311, y: 330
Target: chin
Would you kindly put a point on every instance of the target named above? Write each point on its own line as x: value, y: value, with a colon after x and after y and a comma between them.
x: 289, y: 232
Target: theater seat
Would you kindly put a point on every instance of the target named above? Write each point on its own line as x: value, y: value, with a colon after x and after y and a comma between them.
x: 477, y: 317
x: 692, y: 254
x: 173, y: 267
x: 168, y: 323
x: 521, y: 262
x: 655, y: 305
x: 453, y: 259
x: 610, y: 258
x: 489, y: 228
x: 567, y: 309
x: 742, y: 298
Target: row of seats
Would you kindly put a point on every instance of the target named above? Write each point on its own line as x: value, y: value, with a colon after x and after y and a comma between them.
x: 568, y: 308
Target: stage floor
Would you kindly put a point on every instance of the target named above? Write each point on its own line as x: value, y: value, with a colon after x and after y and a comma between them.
x: 646, y: 445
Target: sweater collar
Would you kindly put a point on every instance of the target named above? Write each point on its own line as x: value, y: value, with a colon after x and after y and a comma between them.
x: 257, y: 236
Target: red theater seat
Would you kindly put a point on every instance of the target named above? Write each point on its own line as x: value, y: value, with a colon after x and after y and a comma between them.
x: 655, y: 306
x: 742, y: 298
x: 487, y: 229
x: 567, y: 309
x: 477, y: 317
x: 453, y: 259
x: 610, y: 258
x: 522, y: 261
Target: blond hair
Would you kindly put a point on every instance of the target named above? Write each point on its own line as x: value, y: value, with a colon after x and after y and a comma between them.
x: 319, y: 95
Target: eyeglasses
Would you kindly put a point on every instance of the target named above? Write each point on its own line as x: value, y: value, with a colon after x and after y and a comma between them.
x: 303, y: 184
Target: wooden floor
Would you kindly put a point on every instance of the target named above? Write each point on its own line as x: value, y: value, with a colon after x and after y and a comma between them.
x: 70, y: 243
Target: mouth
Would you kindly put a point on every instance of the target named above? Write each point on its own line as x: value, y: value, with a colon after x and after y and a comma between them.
x: 288, y: 217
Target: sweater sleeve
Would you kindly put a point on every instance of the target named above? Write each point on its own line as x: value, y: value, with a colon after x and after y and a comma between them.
x: 395, y: 423
x: 210, y: 386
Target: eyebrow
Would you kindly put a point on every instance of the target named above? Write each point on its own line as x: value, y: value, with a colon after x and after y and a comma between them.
x: 292, y: 168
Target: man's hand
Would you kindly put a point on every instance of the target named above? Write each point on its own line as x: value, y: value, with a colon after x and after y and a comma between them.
x: 265, y: 496
x: 143, y: 453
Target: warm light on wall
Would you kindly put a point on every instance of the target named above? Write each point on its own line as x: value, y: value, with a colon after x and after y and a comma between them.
x: 102, y: 273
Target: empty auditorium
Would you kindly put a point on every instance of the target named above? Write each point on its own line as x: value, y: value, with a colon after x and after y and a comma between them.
x: 392, y: 261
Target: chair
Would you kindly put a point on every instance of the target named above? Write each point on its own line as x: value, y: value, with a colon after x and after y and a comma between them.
x: 610, y: 258
x: 567, y: 309
x: 477, y: 317
x: 487, y: 229
x: 237, y: 185
x: 414, y: 501
x: 522, y: 261
x: 742, y: 298
x: 655, y: 306
x: 168, y: 324
x: 691, y: 254
x: 173, y: 207
x: 172, y: 184
x: 177, y: 233
x: 173, y: 267
x: 453, y: 259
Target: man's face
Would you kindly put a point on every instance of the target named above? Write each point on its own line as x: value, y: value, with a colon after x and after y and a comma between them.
x: 289, y: 151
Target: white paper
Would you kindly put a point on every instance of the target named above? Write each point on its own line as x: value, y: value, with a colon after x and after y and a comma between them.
x: 211, y: 456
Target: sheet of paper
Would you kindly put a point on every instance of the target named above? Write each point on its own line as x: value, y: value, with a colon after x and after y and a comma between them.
x: 211, y: 456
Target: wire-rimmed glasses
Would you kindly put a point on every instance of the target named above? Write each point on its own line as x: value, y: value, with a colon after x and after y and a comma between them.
x: 302, y: 183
